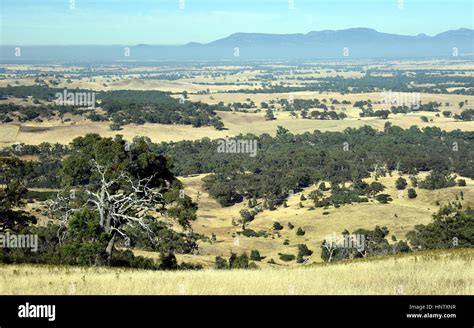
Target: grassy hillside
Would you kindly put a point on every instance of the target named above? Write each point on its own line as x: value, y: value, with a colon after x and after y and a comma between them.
x: 399, y: 216
x: 445, y: 272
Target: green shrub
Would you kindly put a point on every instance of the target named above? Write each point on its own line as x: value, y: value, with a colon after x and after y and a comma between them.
x: 286, y: 257
x: 401, y: 183
x: 255, y: 255
x: 252, y: 233
x: 239, y: 262
x: 220, y: 263
x: 383, y: 198
x: 412, y: 193
x: 300, y: 232
x: 304, y: 250
x: 277, y: 226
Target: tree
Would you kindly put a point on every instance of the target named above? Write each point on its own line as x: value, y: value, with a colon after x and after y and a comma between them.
x: 438, y: 180
x: 411, y: 193
x: 246, y: 217
x: 220, y: 263
x: 277, y: 226
x: 300, y: 232
x: 12, y: 218
x: 322, y: 186
x: 119, y: 202
x: 383, y: 198
x: 375, y: 187
x: 218, y: 125
x: 126, y: 186
x: 269, y: 116
x: 13, y: 173
x: 255, y: 255
x: 115, y: 127
x: 239, y: 262
x: 447, y: 113
x: 383, y: 114
x: 328, y: 248
x: 303, y: 251
x: 286, y: 257
x: 451, y: 227
x: 401, y: 183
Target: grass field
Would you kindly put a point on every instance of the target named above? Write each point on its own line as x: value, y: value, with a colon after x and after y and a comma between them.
x: 446, y: 272
x: 235, y: 123
x: 399, y: 216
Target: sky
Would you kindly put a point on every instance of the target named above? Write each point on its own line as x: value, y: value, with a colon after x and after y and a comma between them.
x: 167, y: 22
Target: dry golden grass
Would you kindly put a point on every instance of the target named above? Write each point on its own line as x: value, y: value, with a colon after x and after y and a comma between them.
x: 8, y: 133
x: 447, y: 272
x: 236, y: 123
x: 399, y: 216
x: 64, y: 133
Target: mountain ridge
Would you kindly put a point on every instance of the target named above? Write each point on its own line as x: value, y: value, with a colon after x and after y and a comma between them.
x: 352, y: 43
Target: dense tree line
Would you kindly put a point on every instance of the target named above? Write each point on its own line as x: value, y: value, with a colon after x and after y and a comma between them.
x: 122, y: 107
x: 290, y: 162
x: 139, y: 107
x: 374, y: 83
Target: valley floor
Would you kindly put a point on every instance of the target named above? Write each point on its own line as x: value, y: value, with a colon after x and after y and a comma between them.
x: 443, y: 272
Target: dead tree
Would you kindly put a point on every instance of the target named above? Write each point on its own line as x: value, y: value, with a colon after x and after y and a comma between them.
x: 120, y: 202
x: 331, y: 247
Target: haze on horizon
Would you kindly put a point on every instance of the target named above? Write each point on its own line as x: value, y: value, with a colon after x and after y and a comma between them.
x: 81, y: 22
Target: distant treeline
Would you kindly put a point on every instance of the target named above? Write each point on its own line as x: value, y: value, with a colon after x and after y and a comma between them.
x: 122, y: 107
x: 369, y: 83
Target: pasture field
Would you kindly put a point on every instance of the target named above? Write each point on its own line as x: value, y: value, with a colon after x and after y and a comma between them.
x: 210, y: 83
x: 399, y: 216
x: 443, y: 272
x: 235, y: 123
x: 64, y: 133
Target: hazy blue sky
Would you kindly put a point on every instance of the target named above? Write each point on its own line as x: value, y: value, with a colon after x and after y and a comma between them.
x: 132, y: 22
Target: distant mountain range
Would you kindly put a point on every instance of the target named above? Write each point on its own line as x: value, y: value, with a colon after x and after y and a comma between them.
x: 354, y: 43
